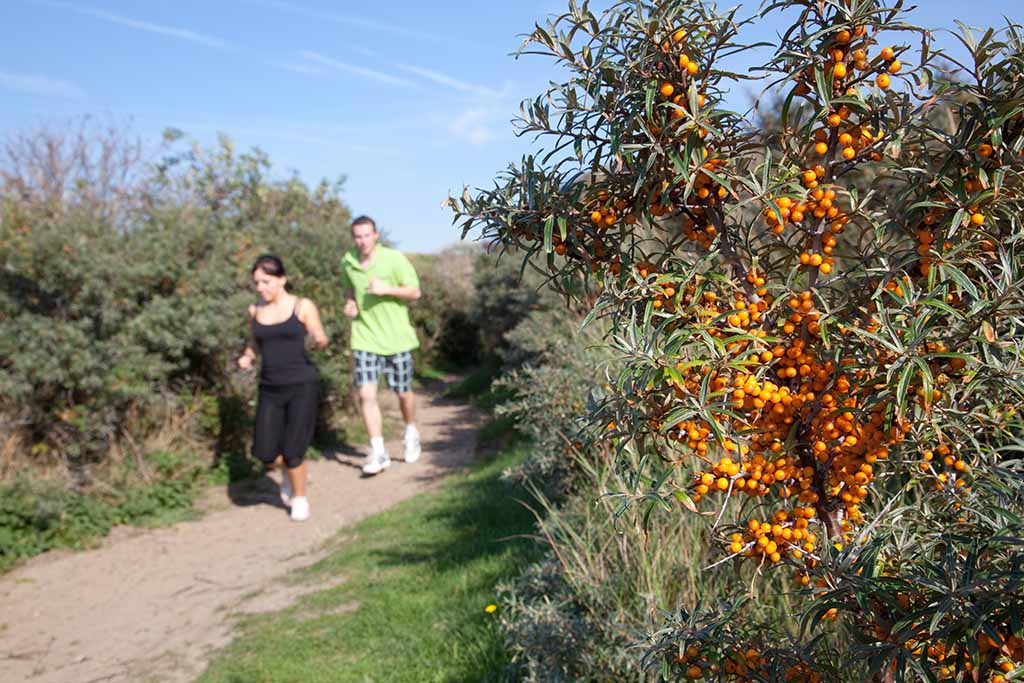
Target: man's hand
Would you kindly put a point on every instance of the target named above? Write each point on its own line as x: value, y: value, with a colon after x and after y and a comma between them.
x: 350, y: 310
x: 378, y: 287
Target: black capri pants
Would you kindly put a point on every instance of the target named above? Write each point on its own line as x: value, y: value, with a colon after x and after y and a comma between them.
x: 285, y: 422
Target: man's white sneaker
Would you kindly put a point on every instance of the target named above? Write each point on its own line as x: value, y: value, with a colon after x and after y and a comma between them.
x: 300, y: 509
x: 376, y: 463
x: 412, y: 448
x: 286, y: 489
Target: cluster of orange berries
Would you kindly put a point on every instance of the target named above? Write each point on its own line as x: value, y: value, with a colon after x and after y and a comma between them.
x: 717, y: 317
x: 679, y: 69
x: 848, y: 54
x: 737, y: 663
x: 606, y: 211
x: 841, y: 434
x: 785, y: 533
x: 943, y: 658
x: 819, y: 204
x: 925, y: 234
x: 944, y: 466
x: 852, y: 138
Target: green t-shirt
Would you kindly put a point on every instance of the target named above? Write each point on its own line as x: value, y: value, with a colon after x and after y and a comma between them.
x: 382, y: 326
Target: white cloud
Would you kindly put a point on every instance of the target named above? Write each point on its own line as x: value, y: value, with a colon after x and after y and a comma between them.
x: 349, y: 20
x: 472, y: 127
x: 305, y: 69
x: 40, y: 85
x: 371, y: 74
x: 449, y: 81
x: 149, y: 27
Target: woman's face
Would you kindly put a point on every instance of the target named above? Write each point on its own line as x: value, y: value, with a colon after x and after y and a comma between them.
x: 269, y: 286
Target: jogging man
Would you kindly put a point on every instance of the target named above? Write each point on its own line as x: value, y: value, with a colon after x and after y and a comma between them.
x: 379, y: 283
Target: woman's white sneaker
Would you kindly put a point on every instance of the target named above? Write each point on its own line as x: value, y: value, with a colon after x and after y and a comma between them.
x: 300, y: 509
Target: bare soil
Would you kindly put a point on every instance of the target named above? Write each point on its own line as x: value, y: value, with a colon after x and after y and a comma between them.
x: 151, y: 605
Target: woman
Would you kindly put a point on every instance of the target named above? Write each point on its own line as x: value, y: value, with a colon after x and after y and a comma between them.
x: 289, y: 384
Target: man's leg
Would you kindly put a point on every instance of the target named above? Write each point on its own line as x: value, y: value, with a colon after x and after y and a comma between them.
x: 378, y: 458
x: 407, y: 401
x: 400, y: 379
x: 371, y: 410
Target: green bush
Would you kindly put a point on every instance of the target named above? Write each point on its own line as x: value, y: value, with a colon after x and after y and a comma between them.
x: 106, y: 318
x: 37, y: 515
x: 444, y: 316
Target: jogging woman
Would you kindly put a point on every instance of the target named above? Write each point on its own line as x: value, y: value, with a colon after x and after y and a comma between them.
x: 289, y: 383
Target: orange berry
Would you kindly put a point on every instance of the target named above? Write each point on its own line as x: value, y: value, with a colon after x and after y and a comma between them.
x: 887, y: 53
x: 840, y: 71
x: 883, y: 81
x: 978, y: 219
x: 667, y: 89
x: 821, y: 148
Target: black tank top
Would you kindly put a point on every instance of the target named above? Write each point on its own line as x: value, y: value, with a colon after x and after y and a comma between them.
x: 283, y: 348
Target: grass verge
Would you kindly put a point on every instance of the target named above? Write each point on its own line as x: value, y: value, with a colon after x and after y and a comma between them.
x: 415, y: 581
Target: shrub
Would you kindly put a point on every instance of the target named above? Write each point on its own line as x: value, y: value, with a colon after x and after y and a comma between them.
x: 820, y: 325
x: 444, y: 316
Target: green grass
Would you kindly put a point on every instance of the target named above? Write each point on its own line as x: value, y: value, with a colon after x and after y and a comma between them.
x: 475, y: 384
x: 39, y: 516
x: 414, y: 582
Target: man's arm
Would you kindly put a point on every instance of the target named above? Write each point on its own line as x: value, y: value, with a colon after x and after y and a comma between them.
x: 406, y: 293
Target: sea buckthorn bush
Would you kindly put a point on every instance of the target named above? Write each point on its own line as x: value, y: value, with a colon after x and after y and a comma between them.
x: 819, y: 322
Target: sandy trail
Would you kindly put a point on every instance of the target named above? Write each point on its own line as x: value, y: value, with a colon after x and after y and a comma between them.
x: 150, y: 605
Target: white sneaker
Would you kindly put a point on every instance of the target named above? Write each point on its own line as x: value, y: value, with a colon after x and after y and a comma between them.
x: 286, y: 489
x: 300, y: 509
x: 376, y: 463
x: 412, y: 448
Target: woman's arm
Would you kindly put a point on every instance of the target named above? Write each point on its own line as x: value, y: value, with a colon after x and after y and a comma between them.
x: 310, y: 317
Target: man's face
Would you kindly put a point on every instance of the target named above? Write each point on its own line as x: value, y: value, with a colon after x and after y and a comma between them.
x: 365, y: 235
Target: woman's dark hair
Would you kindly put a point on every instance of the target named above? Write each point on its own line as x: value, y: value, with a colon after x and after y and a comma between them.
x: 269, y: 264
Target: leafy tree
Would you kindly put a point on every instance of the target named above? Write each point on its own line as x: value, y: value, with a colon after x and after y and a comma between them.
x: 819, y: 321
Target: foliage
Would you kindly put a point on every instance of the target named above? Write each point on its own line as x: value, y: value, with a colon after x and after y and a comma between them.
x: 102, y: 321
x: 36, y: 516
x: 444, y: 315
x: 818, y: 323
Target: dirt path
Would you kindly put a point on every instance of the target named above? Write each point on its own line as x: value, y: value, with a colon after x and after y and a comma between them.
x: 151, y: 605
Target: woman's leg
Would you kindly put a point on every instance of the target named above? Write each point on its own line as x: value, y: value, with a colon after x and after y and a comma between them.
x: 300, y: 423
x: 297, y: 477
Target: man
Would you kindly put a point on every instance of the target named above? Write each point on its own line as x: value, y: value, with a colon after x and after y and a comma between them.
x: 379, y: 283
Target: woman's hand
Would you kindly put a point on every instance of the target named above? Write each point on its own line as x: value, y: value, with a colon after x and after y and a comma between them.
x: 351, y: 310
x: 245, y: 361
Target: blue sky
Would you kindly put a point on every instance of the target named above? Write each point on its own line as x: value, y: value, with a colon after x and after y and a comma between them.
x: 408, y: 100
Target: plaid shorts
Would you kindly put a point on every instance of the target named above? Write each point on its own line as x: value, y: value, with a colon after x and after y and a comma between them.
x: 397, y: 369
